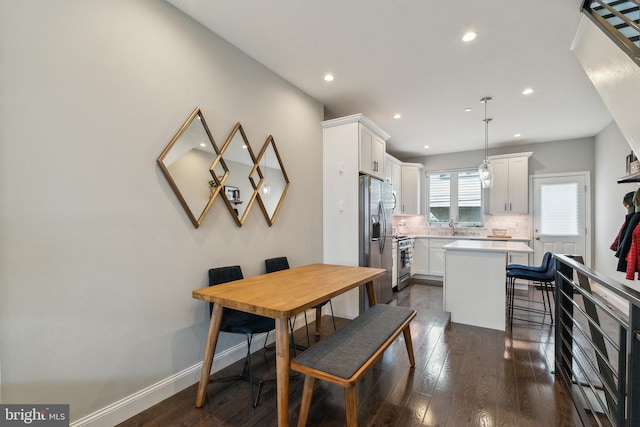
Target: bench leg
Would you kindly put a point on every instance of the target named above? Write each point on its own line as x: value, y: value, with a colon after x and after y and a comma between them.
x: 305, y: 404
x: 407, y: 340
x: 351, y: 405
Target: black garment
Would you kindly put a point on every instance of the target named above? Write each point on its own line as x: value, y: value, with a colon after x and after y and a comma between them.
x: 616, y: 243
x: 625, y: 242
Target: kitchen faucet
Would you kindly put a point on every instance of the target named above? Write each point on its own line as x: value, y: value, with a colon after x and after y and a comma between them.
x: 452, y: 225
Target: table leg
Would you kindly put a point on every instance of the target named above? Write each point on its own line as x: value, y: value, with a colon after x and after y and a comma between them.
x: 209, y: 351
x: 282, y: 370
x: 371, y: 294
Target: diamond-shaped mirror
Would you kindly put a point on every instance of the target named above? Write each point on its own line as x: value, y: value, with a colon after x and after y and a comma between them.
x: 186, y: 162
x: 270, y: 180
x: 237, y: 191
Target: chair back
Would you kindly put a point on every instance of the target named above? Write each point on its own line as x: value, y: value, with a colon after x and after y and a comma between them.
x: 224, y: 274
x: 276, y: 264
x: 545, y: 273
x: 546, y: 259
x: 230, y: 316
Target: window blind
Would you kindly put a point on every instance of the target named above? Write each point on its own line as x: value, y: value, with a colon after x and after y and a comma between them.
x: 559, y: 213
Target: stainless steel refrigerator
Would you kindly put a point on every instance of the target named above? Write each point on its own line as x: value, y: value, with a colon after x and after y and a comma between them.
x: 375, y: 205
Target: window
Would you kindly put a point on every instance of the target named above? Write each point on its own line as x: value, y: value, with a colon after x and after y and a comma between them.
x: 454, y: 194
x: 559, y: 209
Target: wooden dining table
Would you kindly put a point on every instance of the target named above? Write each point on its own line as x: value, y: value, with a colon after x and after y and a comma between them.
x: 279, y: 295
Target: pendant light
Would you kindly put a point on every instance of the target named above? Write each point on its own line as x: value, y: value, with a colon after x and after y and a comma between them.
x: 486, y: 168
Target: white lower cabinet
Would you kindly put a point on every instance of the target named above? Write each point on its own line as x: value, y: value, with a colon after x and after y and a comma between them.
x: 436, y: 256
x: 420, y: 264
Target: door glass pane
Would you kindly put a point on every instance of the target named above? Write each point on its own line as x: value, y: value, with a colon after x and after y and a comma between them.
x: 559, y: 209
x: 469, y: 198
x: 439, y: 197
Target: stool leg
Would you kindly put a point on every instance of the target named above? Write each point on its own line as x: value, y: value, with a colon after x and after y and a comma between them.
x: 305, y: 404
x: 351, y: 404
x: 546, y: 288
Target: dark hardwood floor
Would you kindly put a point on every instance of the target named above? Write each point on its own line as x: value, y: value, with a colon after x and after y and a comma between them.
x: 464, y: 376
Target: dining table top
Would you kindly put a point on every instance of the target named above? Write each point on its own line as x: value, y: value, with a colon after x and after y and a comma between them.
x: 287, y: 292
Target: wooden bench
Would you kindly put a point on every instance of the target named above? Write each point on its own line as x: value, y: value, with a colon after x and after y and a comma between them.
x: 346, y: 355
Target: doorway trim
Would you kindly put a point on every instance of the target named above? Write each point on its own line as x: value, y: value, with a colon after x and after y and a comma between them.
x: 586, y: 175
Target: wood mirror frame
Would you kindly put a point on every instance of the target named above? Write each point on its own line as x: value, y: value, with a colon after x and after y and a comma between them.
x: 270, y: 180
x: 237, y: 157
x: 186, y: 163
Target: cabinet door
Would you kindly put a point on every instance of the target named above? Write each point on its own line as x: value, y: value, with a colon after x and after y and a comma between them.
x: 436, y: 256
x: 396, y: 184
x: 420, y: 264
x: 510, y: 191
x: 371, y: 153
x: 410, y: 190
x: 519, y: 185
x: 500, y: 191
x: 365, y: 154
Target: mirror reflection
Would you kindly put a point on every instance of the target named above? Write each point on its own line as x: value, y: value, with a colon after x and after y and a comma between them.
x: 270, y: 179
x: 186, y: 162
x: 238, y: 192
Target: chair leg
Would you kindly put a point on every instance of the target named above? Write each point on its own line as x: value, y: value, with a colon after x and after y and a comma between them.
x: 318, y: 321
x: 333, y: 317
x: 306, y: 325
x: 254, y: 395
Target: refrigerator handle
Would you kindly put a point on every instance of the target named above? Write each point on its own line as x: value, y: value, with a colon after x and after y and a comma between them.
x: 382, y: 214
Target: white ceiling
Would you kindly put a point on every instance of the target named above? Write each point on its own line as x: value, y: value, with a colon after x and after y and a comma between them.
x: 407, y: 57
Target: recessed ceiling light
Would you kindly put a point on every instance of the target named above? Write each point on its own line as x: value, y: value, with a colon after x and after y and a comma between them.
x: 202, y: 144
x: 328, y: 77
x: 527, y: 91
x: 469, y: 36
x: 517, y: 135
x: 466, y: 110
x: 426, y: 146
x: 397, y: 116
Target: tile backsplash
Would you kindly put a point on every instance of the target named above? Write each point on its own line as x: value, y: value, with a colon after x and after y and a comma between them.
x: 415, y: 225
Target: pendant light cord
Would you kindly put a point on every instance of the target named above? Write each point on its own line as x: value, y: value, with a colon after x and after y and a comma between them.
x: 486, y: 100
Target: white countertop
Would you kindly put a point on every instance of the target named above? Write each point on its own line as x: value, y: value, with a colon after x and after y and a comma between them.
x: 489, y: 245
x: 464, y: 237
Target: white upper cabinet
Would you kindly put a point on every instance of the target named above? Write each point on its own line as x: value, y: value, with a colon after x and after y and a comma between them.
x: 393, y: 174
x: 409, y: 200
x: 510, y: 191
x: 372, y: 150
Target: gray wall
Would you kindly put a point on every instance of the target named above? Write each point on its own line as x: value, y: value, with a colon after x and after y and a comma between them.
x: 574, y: 155
x: 549, y: 157
x: 611, y: 150
x: 97, y: 257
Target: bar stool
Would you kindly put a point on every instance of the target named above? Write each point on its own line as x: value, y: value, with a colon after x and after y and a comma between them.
x: 542, y: 276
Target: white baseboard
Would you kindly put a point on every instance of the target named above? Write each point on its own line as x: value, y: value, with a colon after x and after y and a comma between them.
x: 137, y: 402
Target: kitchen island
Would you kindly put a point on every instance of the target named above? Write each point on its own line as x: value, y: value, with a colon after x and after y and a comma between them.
x: 474, y: 281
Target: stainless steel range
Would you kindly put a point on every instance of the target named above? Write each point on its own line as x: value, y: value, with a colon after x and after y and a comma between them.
x: 405, y: 258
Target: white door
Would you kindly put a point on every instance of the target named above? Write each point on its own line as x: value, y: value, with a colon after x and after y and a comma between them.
x: 561, y: 215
